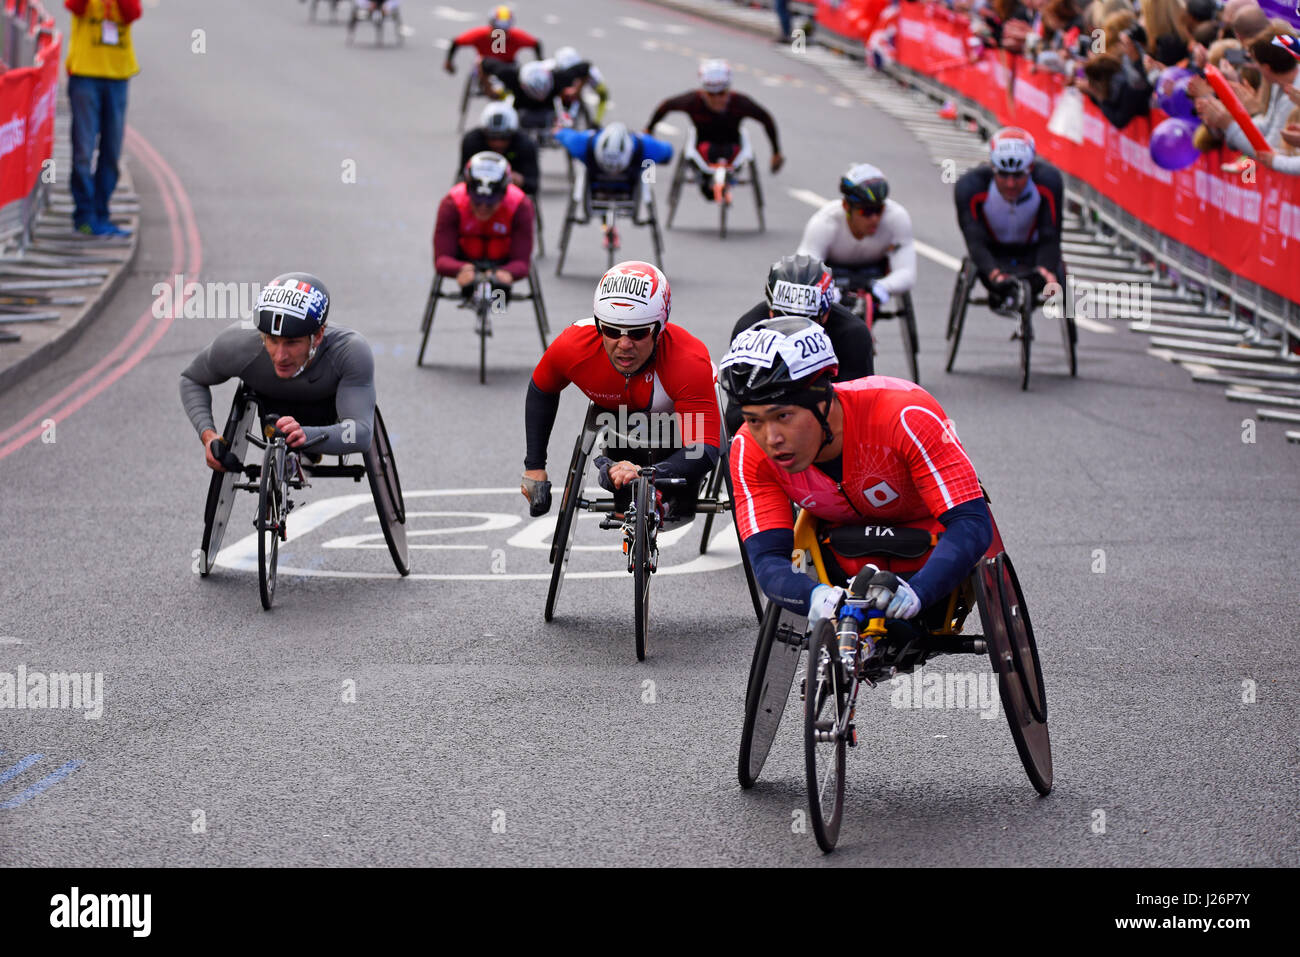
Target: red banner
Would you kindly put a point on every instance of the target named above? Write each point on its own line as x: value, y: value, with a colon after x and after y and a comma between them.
x: 854, y: 19
x: 15, y: 108
x: 45, y: 96
x: 1250, y: 227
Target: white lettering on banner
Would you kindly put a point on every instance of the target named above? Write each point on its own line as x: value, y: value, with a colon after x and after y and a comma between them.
x: 913, y: 30
x: 12, y: 135
x: 43, y: 109
x: 1136, y: 155
x: 1289, y: 221
x: 1234, y: 201
x: 1034, y: 98
x: 1094, y: 130
x: 949, y: 44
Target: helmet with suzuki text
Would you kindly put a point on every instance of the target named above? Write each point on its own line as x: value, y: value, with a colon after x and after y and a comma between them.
x: 1011, y: 150
x: 487, y: 175
x: 800, y: 286
x: 614, y: 148
x: 292, y: 305
x: 633, y: 294
x: 785, y: 360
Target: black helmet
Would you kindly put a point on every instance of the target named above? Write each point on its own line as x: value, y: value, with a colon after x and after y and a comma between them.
x: 799, y: 286
x: 292, y: 305
x: 487, y: 175
x: 779, y: 361
x: 865, y: 185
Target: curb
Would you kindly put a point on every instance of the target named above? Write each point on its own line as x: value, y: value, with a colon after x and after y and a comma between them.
x: 67, y: 337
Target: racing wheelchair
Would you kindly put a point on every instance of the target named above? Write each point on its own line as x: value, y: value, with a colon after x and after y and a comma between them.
x: 333, y: 5
x: 741, y: 170
x: 585, y: 202
x: 377, y: 12
x: 283, y: 470
x: 861, y: 648
x: 963, y: 297
x: 639, y: 523
x: 858, y: 298
x: 486, y: 301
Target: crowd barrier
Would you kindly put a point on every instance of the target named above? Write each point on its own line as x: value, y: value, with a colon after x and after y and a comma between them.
x: 28, y: 93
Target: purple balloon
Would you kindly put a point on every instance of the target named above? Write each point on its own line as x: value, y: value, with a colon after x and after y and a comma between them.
x: 1175, y: 100
x: 1172, y: 146
x: 1168, y: 77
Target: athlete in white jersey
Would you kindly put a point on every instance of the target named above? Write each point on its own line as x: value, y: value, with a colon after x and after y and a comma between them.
x: 865, y: 238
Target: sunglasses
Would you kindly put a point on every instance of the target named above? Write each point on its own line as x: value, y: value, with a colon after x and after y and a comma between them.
x: 866, y: 209
x: 614, y: 332
x: 1001, y: 175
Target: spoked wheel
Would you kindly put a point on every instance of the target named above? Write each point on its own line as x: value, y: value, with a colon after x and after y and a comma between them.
x: 655, y: 236
x: 464, y: 99
x: 826, y: 698
x: 540, y: 230
x: 386, y: 488
x: 270, y: 522
x: 907, y: 322
x: 570, y: 214
x: 221, y: 487
x: 483, y: 310
x: 675, y: 190
x: 777, y: 654
x: 642, y: 554
x: 711, y: 491
x: 426, y: 324
x: 957, y: 311
x: 1026, y: 334
x: 1014, y: 656
x: 565, y: 524
x: 758, y: 196
x: 1070, y: 336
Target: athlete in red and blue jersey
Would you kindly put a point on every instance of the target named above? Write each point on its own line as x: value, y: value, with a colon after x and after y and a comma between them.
x: 627, y: 359
x: 873, y: 456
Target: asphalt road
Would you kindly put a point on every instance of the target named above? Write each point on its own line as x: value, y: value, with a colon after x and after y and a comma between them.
x: 1157, y: 548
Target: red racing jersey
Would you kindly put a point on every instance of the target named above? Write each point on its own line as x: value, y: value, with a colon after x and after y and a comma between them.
x: 679, y: 378
x: 485, y: 40
x: 902, y: 465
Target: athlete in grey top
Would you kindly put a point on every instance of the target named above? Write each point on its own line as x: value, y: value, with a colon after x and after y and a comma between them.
x: 342, y: 370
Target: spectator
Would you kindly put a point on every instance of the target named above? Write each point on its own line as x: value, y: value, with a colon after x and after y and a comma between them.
x: 1279, y: 67
x: 1119, y: 89
x: 1247, y: 22
x: 1166, y: 36
x: 100, y: 61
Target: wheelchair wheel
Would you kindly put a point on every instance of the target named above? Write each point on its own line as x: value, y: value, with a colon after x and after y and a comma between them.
x: 221, y: 488
x: 386, y: 487
x: 711, y: 491
x: 758, y: 196
x: 722, y: 217
x: 539, y: 305
x: 539, y: 230
x: 957, y: 311
x: 641, y: 557
x: 751, y: 580
x: 483, y: 318
x: 426, y: 324
x: 826, y: 696
x: 1070, y: 336
x: 1020, y: 633
x: 655, y: 236
x: 777, y: 654
x: 675, y: 190
x: 907, y: 323
x: 270, y: 521
x: 1026, y: 334
x: 570, y: 216
x: 565, y: 525
x: 465, y: 95
x: 1016, y: 689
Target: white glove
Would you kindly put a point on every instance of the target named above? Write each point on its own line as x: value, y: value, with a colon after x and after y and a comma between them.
x: 902, y: 603
x: 824, y: 602
x: 880, y: 292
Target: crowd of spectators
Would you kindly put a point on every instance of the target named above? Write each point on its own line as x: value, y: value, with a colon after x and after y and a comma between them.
x: 1115, y: 52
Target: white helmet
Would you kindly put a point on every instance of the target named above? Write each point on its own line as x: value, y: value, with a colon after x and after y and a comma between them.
x: 566, y: 57
x: 1011, y: 150
x: 715, y: 76
x: 500, y: 119
x: 614, y: 148
x: 632, y: 294
x: 536, y: 79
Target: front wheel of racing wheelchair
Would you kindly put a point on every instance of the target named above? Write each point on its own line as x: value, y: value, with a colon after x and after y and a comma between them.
x: 584, y: 205
x: 691, y: 169
x: 783, y: 638
x: 963, y: 296
x: 269, y: 480
x: 642, y: 552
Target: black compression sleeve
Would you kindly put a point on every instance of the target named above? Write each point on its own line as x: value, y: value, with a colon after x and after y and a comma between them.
x: 968, y: 530
x: 769, y: 554
x: 539, y: 418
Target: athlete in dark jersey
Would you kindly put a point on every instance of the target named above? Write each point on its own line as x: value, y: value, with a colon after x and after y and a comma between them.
x: 499, y: 133
x: 321, y: 380
x: 1009, y: 211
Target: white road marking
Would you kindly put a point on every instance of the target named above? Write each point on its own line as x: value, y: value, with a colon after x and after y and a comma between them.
x: 550, y: 19
x: 10, y: 641
x: 842, y: 101
x: 596, y: 32
x: 676, y: 28
x: 724, y: 551
x: 633, y: 24
x: 937, y: 255
x: 451, y: 13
